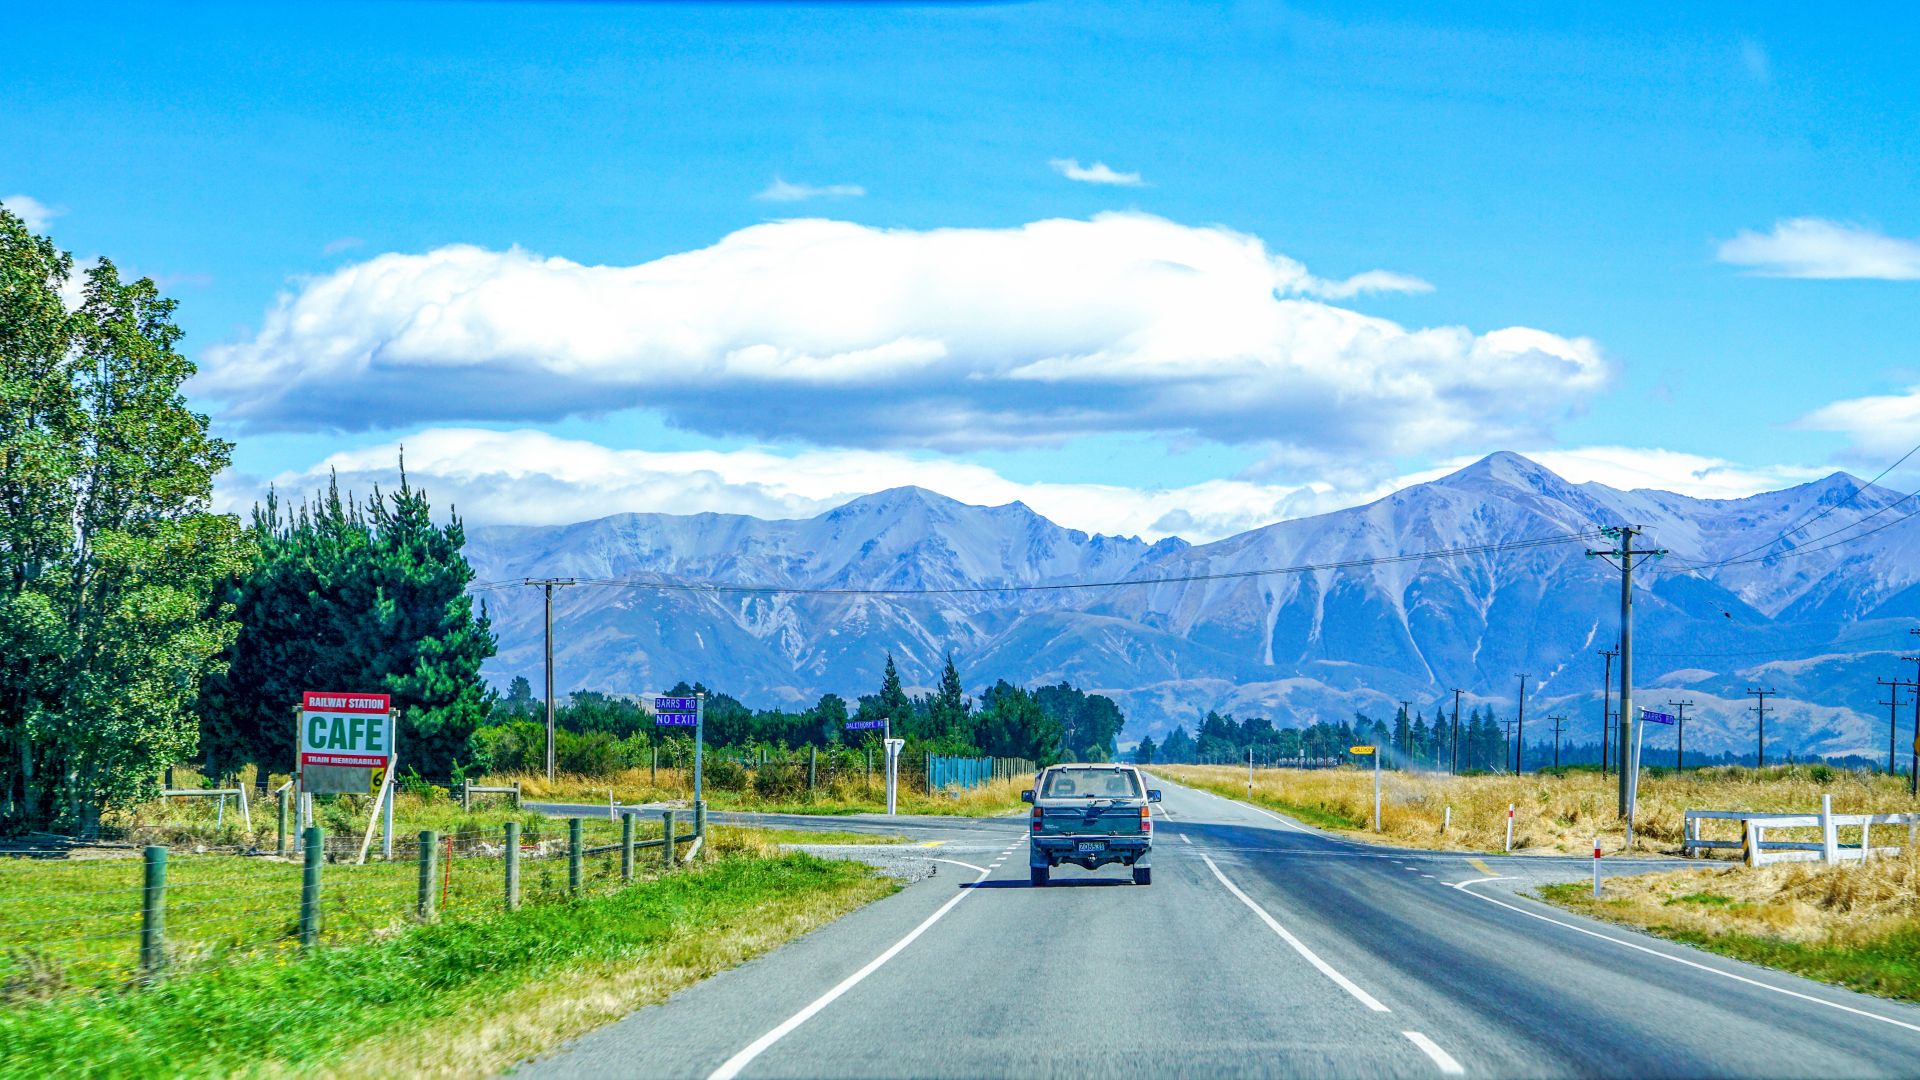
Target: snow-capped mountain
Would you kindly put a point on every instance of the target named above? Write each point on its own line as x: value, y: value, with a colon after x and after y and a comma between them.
x: 1817, y: 615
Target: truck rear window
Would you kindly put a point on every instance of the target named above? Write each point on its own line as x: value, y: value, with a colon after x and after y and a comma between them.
x: 1091, y: 784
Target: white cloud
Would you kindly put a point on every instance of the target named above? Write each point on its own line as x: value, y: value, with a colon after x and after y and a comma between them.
x: 1881, y: 427
x: 340, y: 244
x: 1817, y: 248
x: 1626, y: 468
x: 841, y: 334
x: 1097, y: 173
x: 36, y: 214
x: 531, y: 477
x: 782, y: 191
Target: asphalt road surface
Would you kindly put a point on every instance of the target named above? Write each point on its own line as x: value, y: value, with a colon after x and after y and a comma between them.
x: 1261, y: 948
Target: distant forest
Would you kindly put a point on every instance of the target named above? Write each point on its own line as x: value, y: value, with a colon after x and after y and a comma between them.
x: 597, y: 732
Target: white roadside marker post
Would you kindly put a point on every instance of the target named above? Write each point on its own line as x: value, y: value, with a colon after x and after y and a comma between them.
x: 1596, y: 868
x: 1509, y: 828
x: 1446, y: 819
x: 1249, y: 772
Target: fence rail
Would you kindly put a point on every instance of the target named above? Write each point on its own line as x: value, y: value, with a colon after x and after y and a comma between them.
x: 1757, y: 850
x: 74, y: 923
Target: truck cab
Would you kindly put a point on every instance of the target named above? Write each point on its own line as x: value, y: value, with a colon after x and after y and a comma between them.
x: 1090, y: 815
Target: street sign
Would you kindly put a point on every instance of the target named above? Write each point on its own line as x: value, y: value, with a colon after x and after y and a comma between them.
x: 1359, y: 749
x: 1652, y: 717
x: 676, y: 712
x: 865, y: 725
x: 352, y: 730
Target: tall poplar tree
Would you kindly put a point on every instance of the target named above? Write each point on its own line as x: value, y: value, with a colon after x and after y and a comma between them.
x: 110, y: 553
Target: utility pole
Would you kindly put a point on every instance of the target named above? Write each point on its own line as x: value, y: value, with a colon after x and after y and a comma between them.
x: 1520, y: 729
x: 1913, y: 775
x: 1606, y: 709
x: 1680, y: 733
x: 1454, y: 768
x: 1760, y: 707
x: 1893, y: 717
x: 1559, y: 725
x: 1406, y: 714
x: 1507, y: 726
x: 1626, y: 553
x: 548, y: 585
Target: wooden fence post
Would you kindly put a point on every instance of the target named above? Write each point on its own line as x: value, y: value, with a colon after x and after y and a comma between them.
x: 575, y: 855
x: 313, y: 842
x: 429, y: 858
x: 666, y: 819
x: 153, y: 913
x: 513, y: 866
x: 626, y: 845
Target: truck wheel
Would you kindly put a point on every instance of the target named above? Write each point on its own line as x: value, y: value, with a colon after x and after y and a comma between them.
x: 1039, y: 875
x: 1143, y: 875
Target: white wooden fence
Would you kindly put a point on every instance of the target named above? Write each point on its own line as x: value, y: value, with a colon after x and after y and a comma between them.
x: 1756, y: 849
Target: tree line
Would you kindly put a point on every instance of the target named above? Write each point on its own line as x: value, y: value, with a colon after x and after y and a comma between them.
x: 597, y: 732
x: 1410, y: 741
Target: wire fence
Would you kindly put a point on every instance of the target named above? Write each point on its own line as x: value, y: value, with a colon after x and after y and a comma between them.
x: 98, y: 918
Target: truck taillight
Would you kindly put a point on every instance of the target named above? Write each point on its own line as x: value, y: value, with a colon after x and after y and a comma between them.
x: 1146, y: 820
x: 1036, y: 819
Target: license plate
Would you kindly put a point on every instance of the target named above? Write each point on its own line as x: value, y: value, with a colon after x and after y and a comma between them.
x: 1090, y: 845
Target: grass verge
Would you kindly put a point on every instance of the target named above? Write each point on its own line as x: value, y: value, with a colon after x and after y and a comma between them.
x: 456, y: 998
x: 1556, y: 812
x: 1856, y: 925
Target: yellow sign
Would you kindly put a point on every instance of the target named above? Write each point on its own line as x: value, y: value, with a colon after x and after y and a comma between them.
x: 1360, y: 750
x: 375, y: 777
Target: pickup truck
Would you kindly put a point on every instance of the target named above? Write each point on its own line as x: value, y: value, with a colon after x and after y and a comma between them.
x: 1090, y: 815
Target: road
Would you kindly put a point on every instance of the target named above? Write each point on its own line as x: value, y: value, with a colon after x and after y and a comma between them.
x: 1261, y: 948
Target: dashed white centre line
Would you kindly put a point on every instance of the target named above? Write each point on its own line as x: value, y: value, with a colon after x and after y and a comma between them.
x: 1440, y: 1057
x: 1185, y: 839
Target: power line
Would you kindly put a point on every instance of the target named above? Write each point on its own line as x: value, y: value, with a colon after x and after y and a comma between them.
x: 668, y: 585
x: 1797, y: 524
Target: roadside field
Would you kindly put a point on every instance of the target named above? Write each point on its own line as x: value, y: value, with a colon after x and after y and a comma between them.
x: 463, y: 996
x: 1855, y: 924
x: 1555, y: 812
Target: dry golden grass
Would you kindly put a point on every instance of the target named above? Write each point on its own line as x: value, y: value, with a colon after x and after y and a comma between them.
x: 634, y: 786
x: 1846, y: 903
x: 1555, y: 813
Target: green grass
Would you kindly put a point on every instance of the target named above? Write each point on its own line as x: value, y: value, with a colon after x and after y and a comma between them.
x: 73, y: 923
x: 1706, y: 898
x: 1888, y: 965
x: 286, y: 1012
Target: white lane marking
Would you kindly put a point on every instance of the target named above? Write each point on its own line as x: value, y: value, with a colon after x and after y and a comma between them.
x: 1462, y: 886
x: 1185, y: 839
x: 732, y: 1066
x: 957, y: 862
x: 1426, y: 875
x: 1440, y: 1057
x: 1298, y: 946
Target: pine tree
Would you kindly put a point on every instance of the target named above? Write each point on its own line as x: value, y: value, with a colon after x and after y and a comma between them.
x: 1143, y: 754
x: 354, y: 597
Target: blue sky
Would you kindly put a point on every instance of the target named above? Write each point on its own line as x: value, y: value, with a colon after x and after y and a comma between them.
x: 1713, y: 208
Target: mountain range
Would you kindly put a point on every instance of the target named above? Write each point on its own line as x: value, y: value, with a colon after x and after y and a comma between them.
x: 1810, y: 591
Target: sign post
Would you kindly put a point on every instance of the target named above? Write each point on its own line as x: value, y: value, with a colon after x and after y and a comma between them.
x: 893, y: 774
x: 1647, y: 716
x: 346, y: 744
x: 1372, y: 752
x: 686, y: 712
